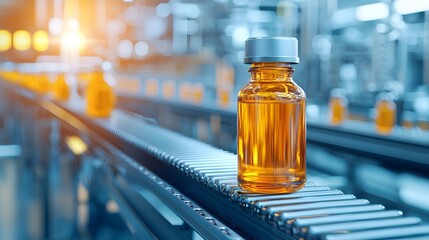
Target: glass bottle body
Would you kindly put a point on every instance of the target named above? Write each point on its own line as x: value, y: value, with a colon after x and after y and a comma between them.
x: 271, y: 131
x: 100, y: 97
x: 338, y: 106
x: 386, y: 116
x: 60, y: 88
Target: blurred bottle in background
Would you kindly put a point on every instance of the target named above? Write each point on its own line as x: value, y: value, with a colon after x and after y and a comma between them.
x: 100, y: 97
x: 338, y: 104
x: 60, y: 88
x: 408, y: 120
x: 385, y: 117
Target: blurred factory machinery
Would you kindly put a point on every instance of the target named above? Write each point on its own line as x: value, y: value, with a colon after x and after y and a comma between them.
x: 118, y: 119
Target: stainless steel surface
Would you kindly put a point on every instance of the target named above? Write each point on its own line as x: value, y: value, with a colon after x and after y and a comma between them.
x: 386, y: 233
x: 301, y: 225
x: 359, y: 225
x: 267, y: 205
x: 329, y: 211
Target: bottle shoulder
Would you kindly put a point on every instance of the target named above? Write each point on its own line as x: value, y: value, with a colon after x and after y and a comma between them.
x: 274, y: 91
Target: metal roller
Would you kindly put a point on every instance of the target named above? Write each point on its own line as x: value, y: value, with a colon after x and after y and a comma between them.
x: 301, y: 225
x: 421, y: 231
x: 316, y: 232
x: 314, y: 212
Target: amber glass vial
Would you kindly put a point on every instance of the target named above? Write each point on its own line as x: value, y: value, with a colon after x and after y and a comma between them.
x: 271, y: 119
x: 338, y: 106
x: 385, y: 119
x: 100, y: 97
x: 60, y: 88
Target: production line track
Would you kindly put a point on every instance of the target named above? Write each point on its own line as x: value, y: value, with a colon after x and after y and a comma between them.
x: 207, y: 175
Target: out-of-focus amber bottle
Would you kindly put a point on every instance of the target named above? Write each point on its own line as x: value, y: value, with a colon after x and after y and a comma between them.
x: 408, y: 120
x: 169, y: 89
x: 100, y: 98
x: 271, y: 119
x: 423, y: 123
x: 198, y: 93
x: 385, y: 118
x: 42, y: 83
x: 185, y: 91
x: 338, y: 106
x: 223, y: 95
x: 224, y: 84
x: 151, y: 87
x: 30, y: 81
x: 60, y: 88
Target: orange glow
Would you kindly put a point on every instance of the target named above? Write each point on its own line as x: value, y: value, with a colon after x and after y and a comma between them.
x: 40, y: 41
x: 21, y: 40
x: 5, y: 40
x: 76, y: 145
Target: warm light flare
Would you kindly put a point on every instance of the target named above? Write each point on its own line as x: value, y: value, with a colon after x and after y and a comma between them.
x: 5, y: 40
x: 21, y: 40
x: 76, y: 145
x: 73, y: 40
x: 40, y: 41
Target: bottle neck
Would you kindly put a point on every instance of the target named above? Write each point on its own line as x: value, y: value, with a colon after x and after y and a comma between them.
x: 269, y: 72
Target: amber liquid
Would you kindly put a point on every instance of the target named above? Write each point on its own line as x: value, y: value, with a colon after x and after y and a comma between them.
x: 386, y: 116
x: 407, y: 124
x: 271, y: 135
x: 338, y: 111
x: 60, y: 88
x: 100, y: 97
x: 423, y: 125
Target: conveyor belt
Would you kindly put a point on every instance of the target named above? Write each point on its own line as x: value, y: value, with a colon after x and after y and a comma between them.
x: 315, y: 212
x: 398, y: 150
x: 208, y: 176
